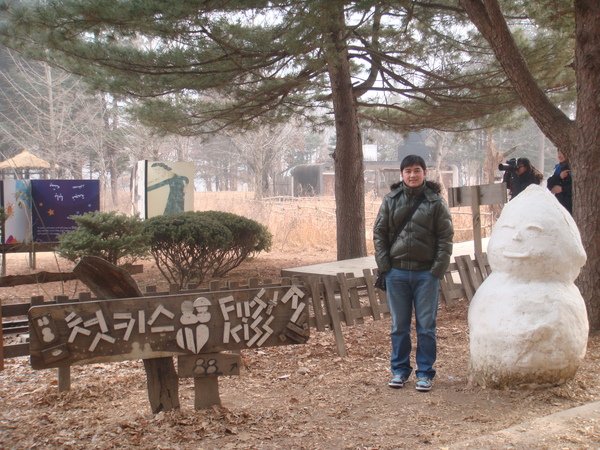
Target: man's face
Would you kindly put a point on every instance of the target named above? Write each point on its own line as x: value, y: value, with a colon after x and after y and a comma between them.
x: 561, y: 157
x: 413, y: 176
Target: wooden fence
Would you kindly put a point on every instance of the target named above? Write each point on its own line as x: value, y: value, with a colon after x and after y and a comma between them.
x: 335, y: 301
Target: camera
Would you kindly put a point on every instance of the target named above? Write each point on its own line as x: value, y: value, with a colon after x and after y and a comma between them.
x: 508, y: 166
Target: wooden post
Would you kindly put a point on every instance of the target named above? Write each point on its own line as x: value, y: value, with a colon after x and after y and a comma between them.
x: 476, y: 219
x: 32, y: 259
x: 1, y: 340
x: 37, y: 300
x: 206, y: 392
x: 206, y: 369
x: 315, y: 289
x: 64, y: 378
x: 329, y: 283
x: 84, y: 296
x: 475, y: 196
x: 106, y: 280
x: 64, y: 372
x: 2, y: 241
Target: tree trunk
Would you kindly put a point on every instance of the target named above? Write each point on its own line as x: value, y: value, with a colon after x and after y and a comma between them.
x: 585, y: 162
x: 232, y: 175
x: 579, y: 140
x: 348, y: 155
x: 487, y: 17
x: 258, y: 182
x: 107, y: 281
x: 492, y: 158
x: 114, y: 184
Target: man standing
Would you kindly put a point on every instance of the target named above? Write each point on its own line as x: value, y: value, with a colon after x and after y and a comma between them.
x: 413, y: 259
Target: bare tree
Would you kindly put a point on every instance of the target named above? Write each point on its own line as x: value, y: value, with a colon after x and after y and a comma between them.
x: 262, y: 150
x: 44, y: 109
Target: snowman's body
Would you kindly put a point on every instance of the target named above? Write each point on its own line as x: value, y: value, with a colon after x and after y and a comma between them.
x: 527, y: 322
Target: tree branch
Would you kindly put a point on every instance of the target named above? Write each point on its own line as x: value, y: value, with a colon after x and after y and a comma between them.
x: 489, y: 20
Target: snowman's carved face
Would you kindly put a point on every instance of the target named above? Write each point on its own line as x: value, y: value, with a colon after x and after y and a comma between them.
x: 519, y: 238
x: 536, y: 238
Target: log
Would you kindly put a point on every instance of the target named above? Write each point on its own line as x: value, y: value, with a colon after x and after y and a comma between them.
x: 107, y: 281
x: 35, y: 278
x: 50, y: 277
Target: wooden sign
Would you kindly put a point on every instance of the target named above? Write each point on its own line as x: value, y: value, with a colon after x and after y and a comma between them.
x: 484, y: 194
x: 475, y: 196
x: 153, y: 327
x: 208, y: 365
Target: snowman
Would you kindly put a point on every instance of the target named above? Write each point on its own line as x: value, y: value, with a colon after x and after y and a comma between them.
x: 528, y: 324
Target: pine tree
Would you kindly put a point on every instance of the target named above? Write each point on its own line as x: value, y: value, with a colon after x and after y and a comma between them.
x: 200, y: 66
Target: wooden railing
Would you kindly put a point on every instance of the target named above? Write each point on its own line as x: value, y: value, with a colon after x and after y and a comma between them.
x: 335, y: 300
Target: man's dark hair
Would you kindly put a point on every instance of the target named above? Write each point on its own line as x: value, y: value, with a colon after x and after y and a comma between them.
x: 413, y: 160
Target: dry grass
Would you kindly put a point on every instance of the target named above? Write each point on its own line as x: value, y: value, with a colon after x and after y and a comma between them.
x: 309, y: 222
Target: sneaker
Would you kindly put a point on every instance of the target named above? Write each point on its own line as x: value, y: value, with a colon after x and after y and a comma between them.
x: 423, y: 384
x: 397, y: 382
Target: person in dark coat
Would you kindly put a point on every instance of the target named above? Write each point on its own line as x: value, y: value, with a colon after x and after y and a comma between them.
x: 413, y: 262
x: 524, y: 175
x: 561, y: 182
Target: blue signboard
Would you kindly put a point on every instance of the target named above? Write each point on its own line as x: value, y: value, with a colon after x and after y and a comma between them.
x: 53, y: 201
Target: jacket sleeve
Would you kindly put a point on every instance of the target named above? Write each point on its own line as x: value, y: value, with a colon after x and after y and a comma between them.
x: 381, y: 238
x: 553, y: 181
x: 444, y: 235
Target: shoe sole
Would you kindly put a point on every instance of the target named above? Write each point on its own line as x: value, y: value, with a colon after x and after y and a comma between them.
x: 423, y: 389
x: 396, y: 385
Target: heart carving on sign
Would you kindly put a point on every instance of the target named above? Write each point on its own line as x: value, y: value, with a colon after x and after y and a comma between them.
x: 194, y: 342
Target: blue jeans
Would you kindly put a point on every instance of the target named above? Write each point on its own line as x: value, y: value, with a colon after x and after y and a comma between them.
x: 407, y: 289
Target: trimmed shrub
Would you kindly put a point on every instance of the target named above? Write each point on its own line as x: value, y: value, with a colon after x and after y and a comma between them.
x: 190, y: 246
x: 248, y: 239
x: 115, y: 237
x: 184, y: 245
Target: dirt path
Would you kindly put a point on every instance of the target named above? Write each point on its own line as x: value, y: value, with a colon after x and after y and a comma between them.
x: 570, y: 428
x: 298, y: 397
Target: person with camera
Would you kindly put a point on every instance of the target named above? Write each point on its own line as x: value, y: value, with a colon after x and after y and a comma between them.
x: 561, y: 182
x: 413, y: 235
x: 519, y: 174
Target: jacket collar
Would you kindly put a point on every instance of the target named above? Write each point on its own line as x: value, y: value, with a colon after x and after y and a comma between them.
x: 413, y: 192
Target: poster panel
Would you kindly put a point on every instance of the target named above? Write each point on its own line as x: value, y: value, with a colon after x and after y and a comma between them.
x: 169, y: 187
x: 55, y: 200
x: 16, y: 201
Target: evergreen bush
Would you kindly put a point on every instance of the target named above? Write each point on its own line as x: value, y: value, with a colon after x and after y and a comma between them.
x: 249, y: 239
x: 115, y: 237
x: 190, y: 246
x: 184, y: 245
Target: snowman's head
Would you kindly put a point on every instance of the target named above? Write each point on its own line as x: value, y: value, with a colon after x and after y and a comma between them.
x: 535, y: 238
